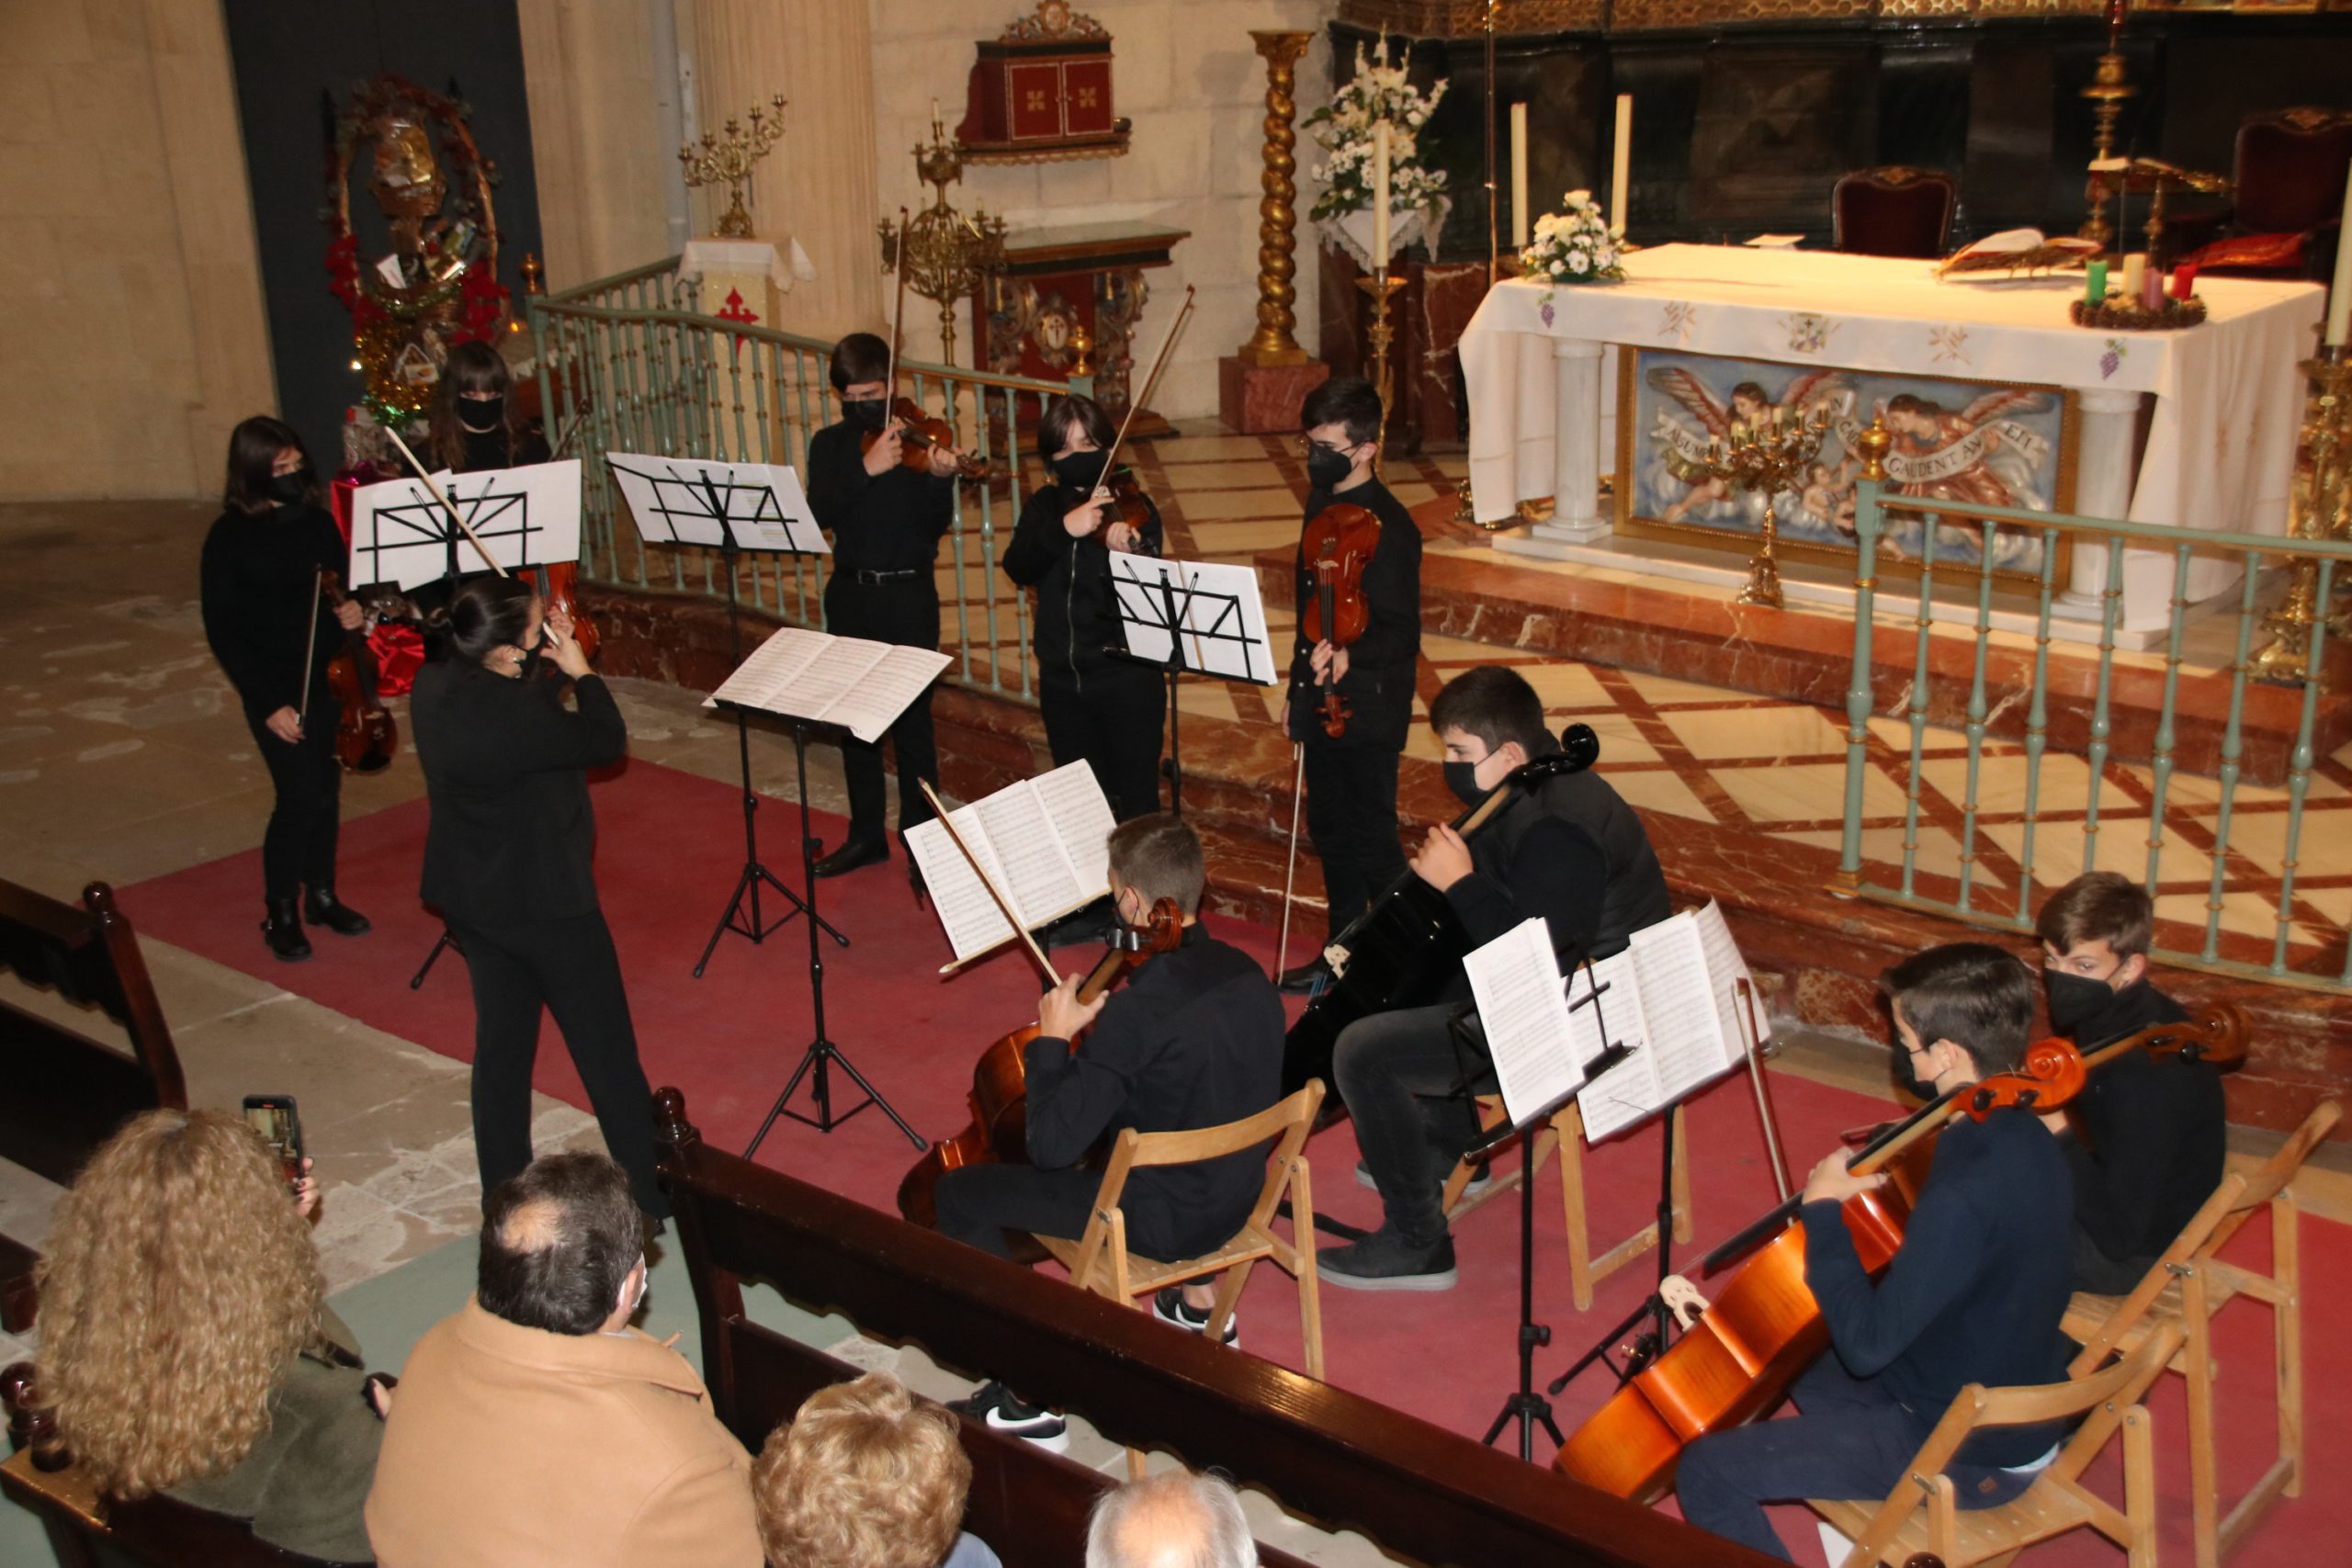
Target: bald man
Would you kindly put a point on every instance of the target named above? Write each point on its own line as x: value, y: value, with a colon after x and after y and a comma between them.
x: 1175, y: 1520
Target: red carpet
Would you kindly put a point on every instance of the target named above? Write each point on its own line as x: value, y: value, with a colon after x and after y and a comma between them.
x: 668, y: 855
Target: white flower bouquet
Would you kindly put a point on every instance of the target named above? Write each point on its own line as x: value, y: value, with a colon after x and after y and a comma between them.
x: 1343, y: 128
x: 1575, y: 245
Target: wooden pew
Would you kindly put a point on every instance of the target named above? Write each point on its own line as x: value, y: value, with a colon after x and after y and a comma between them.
x: 1324, y: 1453
x: 65, y: 1092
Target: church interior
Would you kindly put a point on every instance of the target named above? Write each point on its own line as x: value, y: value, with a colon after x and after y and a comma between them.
x: 992, y: 456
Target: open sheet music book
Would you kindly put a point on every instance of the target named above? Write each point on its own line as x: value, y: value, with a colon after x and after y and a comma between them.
x: 858, y: 684
x: 1523, y: 1008
x: 1671, y: 998
x: 1045, y: 842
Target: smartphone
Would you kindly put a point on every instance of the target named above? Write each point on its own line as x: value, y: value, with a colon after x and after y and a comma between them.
x: 280, y: 1126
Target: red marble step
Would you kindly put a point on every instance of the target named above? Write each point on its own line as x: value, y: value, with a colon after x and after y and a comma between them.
x: 1807, y: 657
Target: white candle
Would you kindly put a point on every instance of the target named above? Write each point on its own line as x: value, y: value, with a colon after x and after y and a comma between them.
x: 934, y: 111
x: 1622, y: 170
x: 1380, y: 198
x: 1518, y: 176
x: 2339, y: 293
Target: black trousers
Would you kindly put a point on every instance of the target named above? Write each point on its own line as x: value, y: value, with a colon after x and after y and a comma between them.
x: 299, y: 846
x: 977, y: 1203
x: 1351, y: 819
x: 567, y: 966
x: 1401, y: 1074
x: 904, y: 611
x: 1116, y: 721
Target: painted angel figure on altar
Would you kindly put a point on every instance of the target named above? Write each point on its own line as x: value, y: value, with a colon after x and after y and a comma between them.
x: 1983, y: 454
x: 1680, y: 448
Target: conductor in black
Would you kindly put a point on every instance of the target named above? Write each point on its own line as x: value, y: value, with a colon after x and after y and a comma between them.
x: 887, y: 521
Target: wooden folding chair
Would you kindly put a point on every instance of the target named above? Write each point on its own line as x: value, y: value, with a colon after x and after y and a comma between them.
x: 1099, y: 1261
x: 1565, y: 1136
x: 2185, y: 1292
x: 1923, y: 1513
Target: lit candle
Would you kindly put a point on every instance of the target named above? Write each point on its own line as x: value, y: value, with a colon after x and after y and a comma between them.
x: 934, y: 111
x: 1738, y: 430
x: 1380, y: 198
x: 2096, y: 290
x: 2339, y: 293
x: 1622, y: 169
x: 2135, y: 272
x: 1518, y: 175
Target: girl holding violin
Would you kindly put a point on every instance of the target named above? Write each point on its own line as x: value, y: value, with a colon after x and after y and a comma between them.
x: 1352, y: 750
x: 1974, y: 1294
x: 1104, y: 709
x: 267, y: 619
x: 887, y: 516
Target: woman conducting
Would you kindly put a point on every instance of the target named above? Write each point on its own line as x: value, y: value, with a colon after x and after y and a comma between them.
x: 508, y: 861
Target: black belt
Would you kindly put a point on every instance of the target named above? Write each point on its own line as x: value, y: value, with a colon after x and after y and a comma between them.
x: 874, y: 578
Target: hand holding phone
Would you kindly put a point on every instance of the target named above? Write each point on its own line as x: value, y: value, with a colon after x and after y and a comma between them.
x: 274, y: 1116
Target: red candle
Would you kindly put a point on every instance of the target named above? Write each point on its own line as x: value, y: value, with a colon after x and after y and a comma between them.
x: 2184, y: 278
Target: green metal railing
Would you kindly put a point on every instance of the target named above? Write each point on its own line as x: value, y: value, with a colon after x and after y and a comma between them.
x: 630, y: 364
x: 2239, y: 937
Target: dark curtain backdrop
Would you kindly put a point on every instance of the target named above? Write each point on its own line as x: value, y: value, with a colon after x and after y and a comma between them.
x: 296, y: 63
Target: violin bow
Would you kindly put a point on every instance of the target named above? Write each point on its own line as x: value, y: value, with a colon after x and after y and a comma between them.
x: 1175, y: 328
x: 467, y: 528
x: 1003, y: 903
x: 898, y: 318
x: 311, y: 646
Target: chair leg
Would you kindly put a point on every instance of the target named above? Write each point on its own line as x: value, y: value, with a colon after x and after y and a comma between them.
x: 2204, y: 1482
x: 2286, y: 1336
x: 1310, y: 1295
x: 1572, y: 1201
x: 1229, y: 1284
x: 1134, y: 1465
x: 1681, y: 1178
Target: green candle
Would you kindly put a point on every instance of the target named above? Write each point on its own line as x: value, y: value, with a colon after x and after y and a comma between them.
x: 2097, y: 292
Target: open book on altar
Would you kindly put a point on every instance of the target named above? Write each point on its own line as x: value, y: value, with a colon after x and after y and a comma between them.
x: 1046, y: 842
x: 857, y: 685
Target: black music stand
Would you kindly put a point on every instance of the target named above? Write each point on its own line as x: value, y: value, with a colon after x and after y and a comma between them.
x: 1164, y: 604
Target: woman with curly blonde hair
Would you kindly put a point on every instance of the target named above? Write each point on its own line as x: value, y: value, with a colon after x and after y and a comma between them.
x: 865, y: 1475
x: 185, y: 1342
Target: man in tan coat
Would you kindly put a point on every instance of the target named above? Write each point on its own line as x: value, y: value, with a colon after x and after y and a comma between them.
x: 535, y: 1428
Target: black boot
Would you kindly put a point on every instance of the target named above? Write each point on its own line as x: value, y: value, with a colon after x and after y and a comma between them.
x: 322, y: 908
x: 283, y: 930
x: 854, y: 853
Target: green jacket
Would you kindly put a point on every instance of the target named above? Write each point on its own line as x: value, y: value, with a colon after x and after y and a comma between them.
x: 304, y: 1482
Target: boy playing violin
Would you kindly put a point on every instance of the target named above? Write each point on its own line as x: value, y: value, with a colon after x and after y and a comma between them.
x: 887, y: 520
x: 1973, y: 1295
x: 1351, y: 779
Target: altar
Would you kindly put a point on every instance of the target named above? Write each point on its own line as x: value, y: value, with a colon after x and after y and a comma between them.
x: 1995, y: 394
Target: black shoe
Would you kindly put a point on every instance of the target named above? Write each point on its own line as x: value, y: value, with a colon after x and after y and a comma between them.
x: 1307, y: 978
x: 1384, y: 1261
x: 854, y: 853
x: 322, y: 908
x: 283, y: 930
x: 1479, y: 1176
x: 994, y: 1405
x: 1168, y: 1305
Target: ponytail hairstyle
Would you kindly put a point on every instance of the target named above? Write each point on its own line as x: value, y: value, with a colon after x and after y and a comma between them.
x: 253, y: 447
x: 485, y: 614
x: 471, y: 367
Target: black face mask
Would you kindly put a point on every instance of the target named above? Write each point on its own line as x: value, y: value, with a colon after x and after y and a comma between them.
x: 1079, y: 472
x: 1326, y: 469
x: 2075, y: 999
x: 865, y: 413
x: 1905, y: 1079
x: 482, y: 416
x: 1462, y: 778
x: 290, y: 490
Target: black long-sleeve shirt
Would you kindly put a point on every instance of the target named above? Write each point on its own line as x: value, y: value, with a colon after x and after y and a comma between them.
x: 1077, y: 616
x: 1378, y: 686
x: 889, y: 522
x: 2153, y: 1135
x: 1192, y: 1039
x: 1977, y: 1290
x: 512, y: 835
x: 258, y: 587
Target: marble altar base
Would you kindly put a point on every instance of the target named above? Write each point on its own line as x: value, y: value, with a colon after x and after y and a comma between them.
x: 1258, y: 399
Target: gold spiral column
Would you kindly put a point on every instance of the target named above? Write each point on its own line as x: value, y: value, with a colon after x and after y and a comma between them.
x: 1273, y: 343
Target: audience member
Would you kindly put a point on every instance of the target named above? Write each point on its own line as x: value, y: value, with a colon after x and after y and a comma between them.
x: 535, y: 1428
x: 866, y: 1476
x: 185, y: 1343
x: 1175, y: 1520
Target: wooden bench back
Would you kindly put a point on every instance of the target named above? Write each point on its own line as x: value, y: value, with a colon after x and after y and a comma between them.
x: 1327, y: 1454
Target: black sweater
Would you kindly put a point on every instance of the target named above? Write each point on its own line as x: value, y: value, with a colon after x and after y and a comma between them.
x: 1193, y: 1039
x: 1077, y: 616
x: 1379, y: 682
x: 258, y: 584
x: 2153, y: 1135
x: 1977, y: 1290
x: 892, y: 523
x: 511, y: 837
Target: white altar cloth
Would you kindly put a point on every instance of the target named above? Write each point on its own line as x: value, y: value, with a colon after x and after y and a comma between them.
x: 1538, y: 364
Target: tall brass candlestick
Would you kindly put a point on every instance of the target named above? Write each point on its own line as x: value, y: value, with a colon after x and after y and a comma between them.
x: 2107, y: 92
x: 731, y: 162
x: 1764, y: 459
x: 2323, y: 510
x: 948, y: 253
x: 1272, y: 342
x: 1380, y: 288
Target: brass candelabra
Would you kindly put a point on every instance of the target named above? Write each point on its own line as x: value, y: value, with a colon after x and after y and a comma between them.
x: 1763, y: 458
x: 2323, y: 510
x: 1381, y: 288
x: 949, y: 254
x: 2106, y: 94
x: 729, y: 161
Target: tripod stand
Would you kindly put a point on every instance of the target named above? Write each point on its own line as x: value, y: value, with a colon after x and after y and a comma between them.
x: 822, y: 1054
x: 754, y: 872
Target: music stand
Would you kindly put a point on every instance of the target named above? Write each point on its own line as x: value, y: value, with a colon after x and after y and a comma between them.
x: 1202, y: 617
x: 731, y: 507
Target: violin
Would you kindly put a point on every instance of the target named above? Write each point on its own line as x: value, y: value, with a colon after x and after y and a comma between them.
x: 1121, y: 494
x: 1337, y: 547
x: 366, y: 740
x: 1119, y: 489
x: 999, y: 1130
x: 562, y: 596
x: 918, y: 436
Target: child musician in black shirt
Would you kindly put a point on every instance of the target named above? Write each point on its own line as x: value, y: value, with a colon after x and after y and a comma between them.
x: 887, y: 520
x: 1352, y: 780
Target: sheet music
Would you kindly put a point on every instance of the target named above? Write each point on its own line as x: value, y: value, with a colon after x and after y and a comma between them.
x: 882, y: 692
x: 1629, y: 1092
x: 966, y: 910
x: 1679, y: 1005
x: 857, y: 683
x: 697, y: 500
x: 1043, y: 841
x: 1075, y: 801
x: 1727, y: 967
x: 1039, y: 879
x: 761, y: 681
x: 1523, y: 1008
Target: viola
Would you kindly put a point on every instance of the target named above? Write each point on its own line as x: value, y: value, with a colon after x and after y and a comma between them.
x: 921, y: 434
x: 1337, y: 547
x: 563, y: 584
x: 1763, y: 1326
x: 999, y: 1130
x: 366, y: 740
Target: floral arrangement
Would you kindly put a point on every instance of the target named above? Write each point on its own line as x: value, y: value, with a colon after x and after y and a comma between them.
x: 1343, y: 128
x: 1575, y: 245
